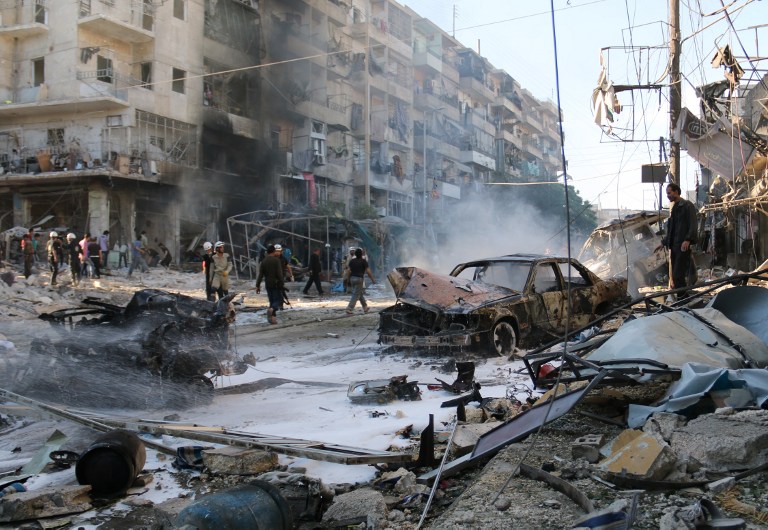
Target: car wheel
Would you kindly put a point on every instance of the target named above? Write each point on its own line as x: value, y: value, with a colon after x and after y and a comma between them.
x: 503, y: 338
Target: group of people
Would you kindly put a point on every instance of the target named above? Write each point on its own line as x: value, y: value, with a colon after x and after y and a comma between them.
x: 83, y: 257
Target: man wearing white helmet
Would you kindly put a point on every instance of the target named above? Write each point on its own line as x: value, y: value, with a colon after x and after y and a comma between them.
x: 208, y: 269
x: 54, y: 255
x: 221, y: 268
x: 74, y: 251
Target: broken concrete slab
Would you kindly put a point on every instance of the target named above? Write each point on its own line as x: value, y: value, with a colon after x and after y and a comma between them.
x: 46, y: 502
x: 587, y: 447
x: 621, y: 440
x: 356, y: 507
x: 466, y: 436
x: 237, y: 461
x: 644, y: 456
x: 725, y: 442
x: 663, y: 424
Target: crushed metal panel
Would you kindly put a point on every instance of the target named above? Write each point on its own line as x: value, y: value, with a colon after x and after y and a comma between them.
x: 747, y: 306
x: 443, y: 292
x: 529, y: 421
x: 677, y: 337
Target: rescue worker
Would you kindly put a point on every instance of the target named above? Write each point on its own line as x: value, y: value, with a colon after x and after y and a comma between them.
x: 74, y: 251
x: 54, y: 252
x: 271, y: 271
x: 220, y: 270
x: 208, y: 269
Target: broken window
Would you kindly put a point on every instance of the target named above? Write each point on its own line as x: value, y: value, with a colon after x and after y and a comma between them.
x: 179, y: 9
x: 41, y: 12
x: 103, y: 69
x: 38, y: 71
x: 162, y: 138
x: 179, y: 77
x: 400, y: 206
x: 56, y: 139
x: 574, y: 276
x: 146, y: 75
x: 318, y: 142
x: 546, y: 279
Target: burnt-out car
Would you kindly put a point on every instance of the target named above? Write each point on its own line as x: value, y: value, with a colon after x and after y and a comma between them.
x: 158, y: 350
x: 496, y: 304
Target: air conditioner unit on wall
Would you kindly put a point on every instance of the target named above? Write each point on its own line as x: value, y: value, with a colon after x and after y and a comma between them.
x: 381, y: 211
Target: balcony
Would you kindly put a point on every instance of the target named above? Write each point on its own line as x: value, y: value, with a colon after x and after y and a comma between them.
x: 481, y: 121
x: 476, y: 88
x: 533, y: 121
x: 426, y: 59
x: 425, y: 101
x: 475, y: 157
x: 33, y: 102
x: 446, y: 189
x: 533, y: 149
x: 508, y: 105
x: 26, y: 19
x: 129, y: 28
x: 510, y: 138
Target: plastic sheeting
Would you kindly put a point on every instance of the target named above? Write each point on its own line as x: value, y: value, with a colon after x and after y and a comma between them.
x: 696, y: 380
x: 747, y: 306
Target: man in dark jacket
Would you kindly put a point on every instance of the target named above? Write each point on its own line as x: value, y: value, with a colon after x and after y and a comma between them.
x: 315, y: 268
x: 271, y: 271
x: 681, y: 234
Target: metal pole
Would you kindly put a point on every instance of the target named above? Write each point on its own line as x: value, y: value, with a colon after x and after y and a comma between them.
x: 675, y: 97
x: 424, y: 171
x: 437, y: 475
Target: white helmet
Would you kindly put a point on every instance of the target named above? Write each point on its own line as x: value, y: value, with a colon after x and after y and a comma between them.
x: 207, y: 245
x: 71, y: 236
x: 53, y: 234
x: 218, y: 244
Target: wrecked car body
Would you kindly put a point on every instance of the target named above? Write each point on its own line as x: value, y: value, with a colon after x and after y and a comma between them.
x: 158, y: 340
x: 627, y: 247
x: 497, y: 303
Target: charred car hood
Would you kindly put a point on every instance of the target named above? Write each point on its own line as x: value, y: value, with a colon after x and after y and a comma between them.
x: 444, y: 293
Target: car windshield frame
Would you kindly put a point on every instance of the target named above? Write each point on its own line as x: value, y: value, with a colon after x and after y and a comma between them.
x: 512, y: 275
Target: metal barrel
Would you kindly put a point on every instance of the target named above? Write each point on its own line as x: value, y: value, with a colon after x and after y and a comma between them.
x: 111, y: 463
x: 256, y: 505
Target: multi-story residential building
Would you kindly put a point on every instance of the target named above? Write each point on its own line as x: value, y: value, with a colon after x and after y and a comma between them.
x: 172, y: 116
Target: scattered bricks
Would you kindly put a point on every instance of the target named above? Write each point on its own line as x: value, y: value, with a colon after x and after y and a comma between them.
x: 235, y: 461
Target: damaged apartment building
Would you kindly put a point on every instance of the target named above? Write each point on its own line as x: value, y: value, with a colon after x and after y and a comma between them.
x: 171, y: 116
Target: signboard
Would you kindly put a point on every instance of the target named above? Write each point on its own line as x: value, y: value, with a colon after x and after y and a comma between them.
x: 654, y: 173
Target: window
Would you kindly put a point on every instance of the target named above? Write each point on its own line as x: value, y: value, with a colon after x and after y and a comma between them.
x: 146, y: 75
x: 546, y: 279
x: 103, y: 69
x: 400, y: 206
x: 56, y: 138
x: 38, y: 71
x: 114, y: 121
x: 178, y: 80
x: 41, y: 13
x: 178, y: 9
x: 318, y: 142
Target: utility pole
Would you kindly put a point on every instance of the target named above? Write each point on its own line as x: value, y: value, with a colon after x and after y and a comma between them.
x: 675, y: 94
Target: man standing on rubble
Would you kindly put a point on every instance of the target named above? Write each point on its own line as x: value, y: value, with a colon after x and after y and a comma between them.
x: 358, y: 268
x: 315, y: 268
x: 222, y: 266
x: 208, y: 269
x: 271, y: 271
x: 28, y: 250
x: 73, y: 254
x: 681, y: 234
x: 54, y: 255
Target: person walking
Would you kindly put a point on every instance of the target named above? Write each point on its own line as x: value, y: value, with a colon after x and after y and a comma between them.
x: 681, y: 234
x: 54, y: 250
x: 28, y: 251
x: 137, y: 258
x: 94, y: 256
x: 74, y: 252
x: 358, y: 268
x: 271, y: 271
x: 208, y: 269
x: 315, y: 268
x: 104, y: 246
x: 222, y: 266
x: 84, y: 262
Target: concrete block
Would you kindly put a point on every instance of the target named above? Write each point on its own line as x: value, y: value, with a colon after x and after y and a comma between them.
x: 45, y: 502
x: 236, y: 461
x: 663, y: 424
x: 719, y: 486
x: 590, y: 453
x: 645, y: 456
x: 475, y: 415
x: 621, y: 440
x: 466, y: 436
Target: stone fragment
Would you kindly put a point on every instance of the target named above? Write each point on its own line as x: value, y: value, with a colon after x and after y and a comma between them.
x: 466, y: 436
x: 503, y: 504
x: 663, y: 424
x: 645, y: 456
x: 355, y: 507
x: 719, y: 486
x: 621, y: 440
x: 45, y: 502
x: 474, y: 415
x: 236, y: 461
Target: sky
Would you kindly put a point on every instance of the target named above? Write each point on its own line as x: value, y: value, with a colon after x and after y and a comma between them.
x: 517, y: 37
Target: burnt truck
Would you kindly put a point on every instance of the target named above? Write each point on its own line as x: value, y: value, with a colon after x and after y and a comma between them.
x: 628, y: 247
x: 495, y: 305
x: 160, y: 350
